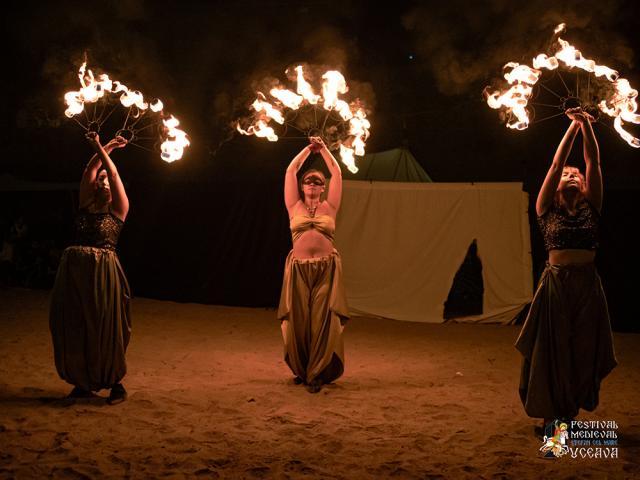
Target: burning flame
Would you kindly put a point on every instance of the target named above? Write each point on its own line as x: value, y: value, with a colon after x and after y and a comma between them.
x: 621, y: 106
x: 304, y: 88
x: 133, y: 98
x: 288, y: 98
x: 260, y: 129
x: 156, y: 106
x: 543, y: 61
x: 515, y: 99
x: 269, y: 110
x: 333, y: 85
x: 93, y: 90
x: 173, y: 148
x: 572, y: 57
x: 346, y: 154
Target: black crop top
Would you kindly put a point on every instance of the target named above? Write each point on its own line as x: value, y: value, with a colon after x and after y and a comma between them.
x: 562, y: 231
x: 97, y: 229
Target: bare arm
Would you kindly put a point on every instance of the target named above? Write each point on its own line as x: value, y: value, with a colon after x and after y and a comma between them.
x: 88, y: 178
x: 551, y: 181
x: 592, y: 160
x: 119, y: 200
x: 291, y: 193
x: 334, y: 197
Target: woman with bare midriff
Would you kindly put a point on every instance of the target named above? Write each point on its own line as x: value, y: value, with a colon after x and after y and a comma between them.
x: 566, y: 340
x: 313, y: 306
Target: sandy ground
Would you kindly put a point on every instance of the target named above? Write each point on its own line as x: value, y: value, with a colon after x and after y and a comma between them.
x: 210, y: 397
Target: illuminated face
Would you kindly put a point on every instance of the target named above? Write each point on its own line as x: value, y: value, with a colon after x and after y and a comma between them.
x: 571, y: 179
x: 102, y: 185
x: 313, y: 184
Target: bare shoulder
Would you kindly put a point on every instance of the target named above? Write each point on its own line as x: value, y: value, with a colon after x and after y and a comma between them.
x: 325, y: 208
x: 295, y: 208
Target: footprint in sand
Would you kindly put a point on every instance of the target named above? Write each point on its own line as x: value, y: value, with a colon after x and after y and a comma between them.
x: 207, y: 473
x: 60, y: 438
x: 218, y: 463
x: 390, y: 469
x: 178, y: 440
x: 142, y: 402
x: 259, y: 472
x: 69, y: 472
x: 298, y: 466
x: 333, y: 446
x: 120, y: 461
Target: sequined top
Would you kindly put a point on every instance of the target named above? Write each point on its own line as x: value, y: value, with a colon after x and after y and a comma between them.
x: 563, y: 231
x: 325, y: 224
x: 97, y: 229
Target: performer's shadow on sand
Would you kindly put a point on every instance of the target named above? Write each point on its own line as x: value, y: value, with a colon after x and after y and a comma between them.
x: 34, y: 397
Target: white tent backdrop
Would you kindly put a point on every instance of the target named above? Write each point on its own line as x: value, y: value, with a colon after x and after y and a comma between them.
x: 402, y: 244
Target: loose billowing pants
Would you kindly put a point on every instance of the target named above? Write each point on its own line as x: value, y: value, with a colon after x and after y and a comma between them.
x: 313, y: 309
x: 566, y: 343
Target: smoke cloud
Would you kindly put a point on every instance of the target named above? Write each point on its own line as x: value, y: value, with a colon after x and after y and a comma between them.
x: 464, y: 44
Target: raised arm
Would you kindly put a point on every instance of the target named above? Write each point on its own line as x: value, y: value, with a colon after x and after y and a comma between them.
x: 291, y: 193
x: 119, y: 200
x: 591, y: 154
x: 88, y: 179
x: 551, y: 181
x: 334, y: 197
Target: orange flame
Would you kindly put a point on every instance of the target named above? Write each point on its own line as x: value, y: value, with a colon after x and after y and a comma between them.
x: 156, y: 106
x: 621, y: 106
x: 173, y: 148
x: 346, y: 155
x: 304, y: 88
x: 260, y: 129
x: 572, y: 57
x: 130, y: 98
x: 93, y: 90
x: 269, y: 110
x: 287, y: 97
x: 333, y: 85
x: 515, y: 99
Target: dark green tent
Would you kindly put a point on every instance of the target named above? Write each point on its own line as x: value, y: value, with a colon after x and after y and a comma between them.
x: 396, y: 165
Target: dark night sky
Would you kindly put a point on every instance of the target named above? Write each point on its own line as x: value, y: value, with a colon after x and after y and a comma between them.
x: 421, y: 66
x: 211, y: 227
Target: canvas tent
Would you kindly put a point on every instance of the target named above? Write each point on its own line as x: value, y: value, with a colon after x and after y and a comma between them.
x: 403, y: 242
x: 396, y: 165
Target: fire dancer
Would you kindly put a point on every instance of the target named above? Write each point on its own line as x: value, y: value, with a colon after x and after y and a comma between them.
x: 89, y: 317
x: 566, y: 340
x: 313, y: 306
